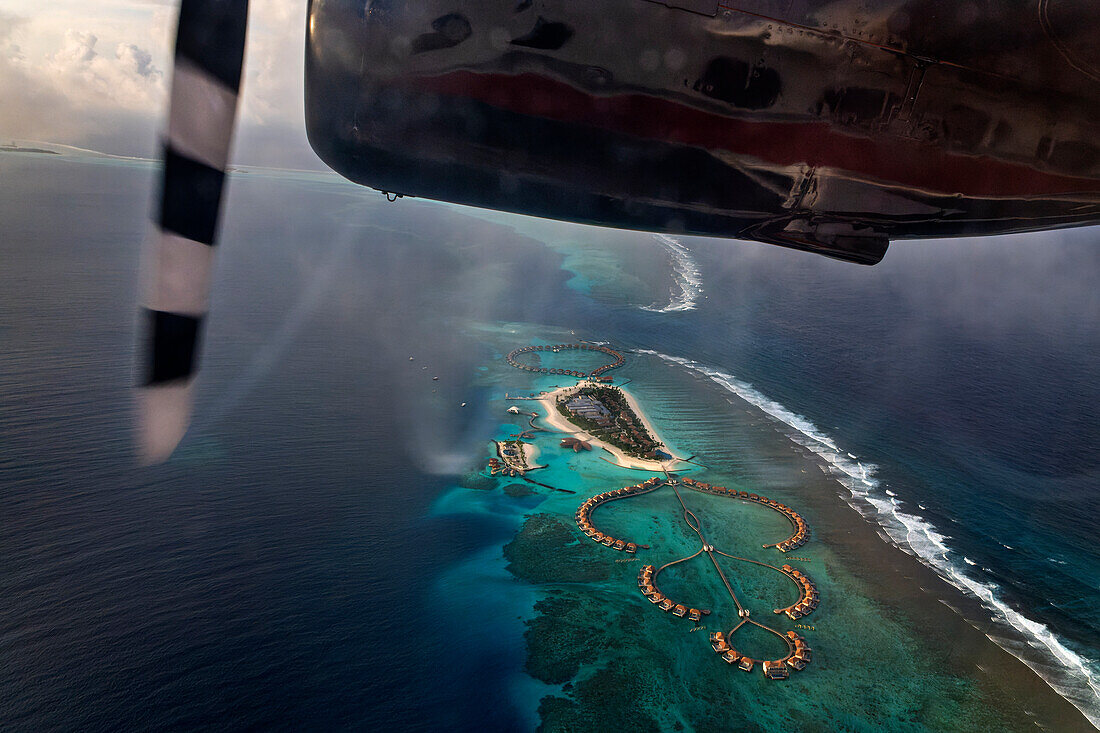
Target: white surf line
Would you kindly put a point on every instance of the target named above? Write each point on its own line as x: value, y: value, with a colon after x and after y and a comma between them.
x: 917, y: 536
x: 686, y: 273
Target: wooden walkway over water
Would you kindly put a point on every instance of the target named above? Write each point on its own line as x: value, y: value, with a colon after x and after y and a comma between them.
x: 798, y: 653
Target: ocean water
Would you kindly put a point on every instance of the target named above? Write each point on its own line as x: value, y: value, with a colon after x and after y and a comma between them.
x: 319, y: 554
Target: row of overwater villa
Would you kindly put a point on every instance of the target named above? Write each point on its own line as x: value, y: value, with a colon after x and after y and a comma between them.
x: 802, y: 530
x: 776, y: 669
x: 649, y: 590
x: 584, y: 515
x: 808, y: 602
x: 594, y: 374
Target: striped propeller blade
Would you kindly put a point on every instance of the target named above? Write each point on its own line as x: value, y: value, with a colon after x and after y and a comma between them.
x: 206, y: 80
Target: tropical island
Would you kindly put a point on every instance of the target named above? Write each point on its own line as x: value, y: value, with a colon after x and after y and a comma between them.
x: 594, y: 412
x: 514, y: 458
x: 608, y: 418
x: 716, y: 562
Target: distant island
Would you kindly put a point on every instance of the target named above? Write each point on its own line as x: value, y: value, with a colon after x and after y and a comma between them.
x: 609, y: 418
x: 13, y: 148
x: 594, y: 412
x: 514, y: 458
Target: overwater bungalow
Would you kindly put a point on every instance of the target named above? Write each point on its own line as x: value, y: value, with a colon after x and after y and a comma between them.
x: 796, y: 663
x: 666, y: 605
x: 746, y: 664
x: 695, y: 614
x: 631, y: 547
x: 717, y: 636
x: 656, y: 598
x: 775, y: 671
x: 620, y: 544
x: 732, y: 657
x: 680, y: 610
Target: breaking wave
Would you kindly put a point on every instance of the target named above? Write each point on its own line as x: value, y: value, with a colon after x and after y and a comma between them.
x: 686, y: 273
x: 1062, y: 668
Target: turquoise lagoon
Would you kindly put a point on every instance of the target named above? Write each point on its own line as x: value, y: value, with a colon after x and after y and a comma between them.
x: 598, y: 652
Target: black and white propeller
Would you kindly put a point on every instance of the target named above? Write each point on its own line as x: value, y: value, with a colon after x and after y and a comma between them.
x: 206, y: 78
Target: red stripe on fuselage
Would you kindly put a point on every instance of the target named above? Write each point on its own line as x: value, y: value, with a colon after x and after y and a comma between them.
x: 895, y: 161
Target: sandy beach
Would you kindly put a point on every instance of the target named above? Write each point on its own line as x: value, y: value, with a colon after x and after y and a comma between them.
x: 530, y: 454
x: 558, y: 421
x: 935, y: 645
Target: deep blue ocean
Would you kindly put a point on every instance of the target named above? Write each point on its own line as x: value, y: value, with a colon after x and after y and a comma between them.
x: 282, y: 570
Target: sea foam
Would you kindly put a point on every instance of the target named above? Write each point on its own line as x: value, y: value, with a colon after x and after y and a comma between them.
x: 1063, y: 669
x: 686, y: 273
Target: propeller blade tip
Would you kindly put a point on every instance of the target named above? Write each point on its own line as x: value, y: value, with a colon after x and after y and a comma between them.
x: 164, y: 412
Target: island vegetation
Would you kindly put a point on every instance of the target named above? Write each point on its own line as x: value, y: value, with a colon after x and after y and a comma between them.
x: 605, y: 413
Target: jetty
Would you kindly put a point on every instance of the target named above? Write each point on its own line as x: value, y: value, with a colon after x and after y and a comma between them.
x: 617, y: 360
x: 801, y: 529
x: 584, y: 514
x: 798, y: 653
x: 648, y: 586
x: 592, y: 414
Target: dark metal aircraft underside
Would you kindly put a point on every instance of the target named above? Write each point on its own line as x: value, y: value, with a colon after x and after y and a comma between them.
x: 831, y: 127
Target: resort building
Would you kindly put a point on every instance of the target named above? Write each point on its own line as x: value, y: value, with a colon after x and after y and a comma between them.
x: 576, y: 444
x: 590, y: 409
x: 775, y: 671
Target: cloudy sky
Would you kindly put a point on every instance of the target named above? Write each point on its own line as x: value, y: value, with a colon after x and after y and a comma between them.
x: 96, y: 75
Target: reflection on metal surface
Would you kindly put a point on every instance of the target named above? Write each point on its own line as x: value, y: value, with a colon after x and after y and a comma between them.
x: 826, y: 126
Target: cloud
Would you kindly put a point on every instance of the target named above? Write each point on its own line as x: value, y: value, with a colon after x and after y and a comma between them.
x: 78, y: 95
x: 123, y: 80
x: 101, y: 79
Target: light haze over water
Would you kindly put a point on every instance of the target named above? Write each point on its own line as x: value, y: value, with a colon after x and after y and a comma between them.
x: 281, y: 570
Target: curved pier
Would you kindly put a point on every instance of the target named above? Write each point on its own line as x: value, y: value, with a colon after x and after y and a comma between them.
x: 798, y: 653
x: 584, y: 514
x: 594, y: 374
x: 801, y: 529
x: 647, y: 583
x: 808, y: 602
